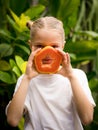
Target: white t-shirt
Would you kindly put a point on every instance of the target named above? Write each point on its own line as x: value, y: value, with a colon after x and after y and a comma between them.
x: 49, y: 102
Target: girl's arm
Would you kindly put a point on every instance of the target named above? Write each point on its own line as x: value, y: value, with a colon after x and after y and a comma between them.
x: 84, y: 107
x: 16, y: 106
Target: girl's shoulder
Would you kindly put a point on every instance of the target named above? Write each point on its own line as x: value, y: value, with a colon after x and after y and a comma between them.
x: 79, y: 71
x: 81, y: 75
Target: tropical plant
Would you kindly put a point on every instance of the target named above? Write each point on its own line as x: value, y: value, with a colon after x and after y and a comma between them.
x: 80, y: 18
x: 13, y: 46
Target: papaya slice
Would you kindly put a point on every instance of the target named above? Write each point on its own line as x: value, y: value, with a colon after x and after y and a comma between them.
x: 47, y: 60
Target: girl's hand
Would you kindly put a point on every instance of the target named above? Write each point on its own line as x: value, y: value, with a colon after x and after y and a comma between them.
x: 66, y: 69
x: 30, y: 69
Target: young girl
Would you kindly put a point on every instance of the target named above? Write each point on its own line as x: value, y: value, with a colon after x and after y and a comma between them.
x: 60, y: 101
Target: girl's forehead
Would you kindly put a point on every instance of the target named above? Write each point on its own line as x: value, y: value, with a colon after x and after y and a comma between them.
x: 48, y: 35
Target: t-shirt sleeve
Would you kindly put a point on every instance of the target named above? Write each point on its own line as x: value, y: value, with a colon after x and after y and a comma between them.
x: 84, y: 83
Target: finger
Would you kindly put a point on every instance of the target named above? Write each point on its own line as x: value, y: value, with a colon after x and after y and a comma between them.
x: 33, y: 53
x: 65, y: 55
x: 68, y: 58
x: 36, y: 51
x: 62, y: 53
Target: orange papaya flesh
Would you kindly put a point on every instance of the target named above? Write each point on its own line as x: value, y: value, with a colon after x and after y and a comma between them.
x: 47, y: 60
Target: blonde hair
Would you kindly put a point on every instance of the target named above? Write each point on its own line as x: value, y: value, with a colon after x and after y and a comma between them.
x: 48, y: 22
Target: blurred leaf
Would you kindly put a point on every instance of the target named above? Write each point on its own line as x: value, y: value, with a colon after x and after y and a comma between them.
x: 5, y: 50
x: 13, y: 24
x: 70, y: 15
x: 21, y: 124
x: 68, y: 7
x: 34, y: 11
x: 18, y: 6
x: 73, y: 56
x: 23, y: 66
x: 84, y: 50
x: 20, y: 21
x: 15, y: 17
x: 23, y: 21
x: 5, y: 34
x: 24, y: 48
x: 4, y: 65
x: 91, y: 75
x: 54, y: 7
x: 96, y: 62
x: 81, y: 47
x: 15, y: 65
x: 89, y: 33
x: 7, y: 78
x: 93, y: 83
x: 19, y: 61
x: 23, y: 36
x: 66, y: 11
x: 12, y: 63
x: 16, y: 71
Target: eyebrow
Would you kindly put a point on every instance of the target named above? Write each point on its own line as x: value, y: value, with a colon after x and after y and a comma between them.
x: 37, y: 43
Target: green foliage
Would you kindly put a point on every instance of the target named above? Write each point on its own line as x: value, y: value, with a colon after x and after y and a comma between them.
x: 18, y: 66
x: 19, y: 6
x: 7, y: 78
x: 4, y: 66
x: 5, y: 50
x: 34, y: 11
x: 80, y: 20
x: 13, y: 46
x: 84, y: 50
x: 15, y: 39
x: 21, y: 124
x: 65, y: 10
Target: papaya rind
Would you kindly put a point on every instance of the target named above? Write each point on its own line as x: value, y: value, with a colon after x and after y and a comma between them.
x: 47, y: 69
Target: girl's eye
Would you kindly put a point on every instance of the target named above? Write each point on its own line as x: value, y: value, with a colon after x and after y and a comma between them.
x: 39, y: 46
x: 54, y: 46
